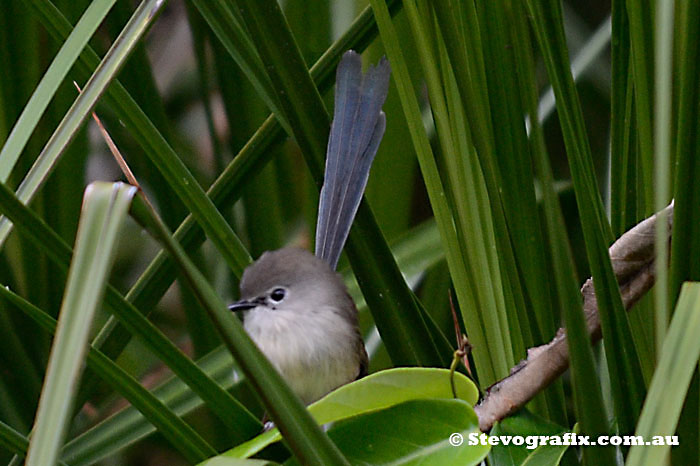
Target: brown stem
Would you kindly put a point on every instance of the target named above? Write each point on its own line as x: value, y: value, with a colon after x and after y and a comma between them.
x: 632, y: 258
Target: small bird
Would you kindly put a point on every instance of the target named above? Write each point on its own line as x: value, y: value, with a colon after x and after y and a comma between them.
x: 296, y: 307
x: 302, y: 318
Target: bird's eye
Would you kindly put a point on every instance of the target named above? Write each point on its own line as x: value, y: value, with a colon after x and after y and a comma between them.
x: 278, y: 294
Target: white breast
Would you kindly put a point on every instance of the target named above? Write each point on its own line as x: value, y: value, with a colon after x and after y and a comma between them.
x: 315, y: 352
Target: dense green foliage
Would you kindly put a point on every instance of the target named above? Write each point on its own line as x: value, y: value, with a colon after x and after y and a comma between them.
x: 483, y: 190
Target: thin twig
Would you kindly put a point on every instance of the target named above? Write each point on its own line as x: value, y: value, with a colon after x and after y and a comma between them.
x: 130, y: 178
x: 632, y: 258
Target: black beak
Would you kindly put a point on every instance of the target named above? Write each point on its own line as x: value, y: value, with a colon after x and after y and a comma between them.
x: 245, y: 304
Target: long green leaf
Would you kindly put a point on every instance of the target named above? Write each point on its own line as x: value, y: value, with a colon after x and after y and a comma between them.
x: 181, y: 435
x: 104, y: 209
x: 622, y: 357
x: 432, y: 180
x: 83, y: 105
x: 677, y: 362
x: 685, y: 245
x: 62, y: 62
x: 662, y: 160
x: 240, y: 421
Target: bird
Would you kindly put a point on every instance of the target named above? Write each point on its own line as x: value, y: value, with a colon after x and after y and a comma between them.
x: 295, y: 307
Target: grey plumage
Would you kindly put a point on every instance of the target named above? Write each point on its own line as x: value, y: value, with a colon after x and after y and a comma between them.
x: 311, y: 335
x: 357, y: 129
x: 297, y: 308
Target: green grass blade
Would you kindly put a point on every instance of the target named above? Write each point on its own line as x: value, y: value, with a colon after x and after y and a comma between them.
x: 163, y: 156
x: 466, y: 188
x: 44, y: 92
x: 128, y: 426
x: 233, y: 414
x: 180, y: 434
x: 432, y: 180
x: 662, y: 160
x: 82, y: 106
x: 551, y: 212
x: 685, y: 245
x: 641, y: 30
x: 12, y: 440
x: 622, y: 357
x: 677, y: 362
x: 229, y: 30
x: 621, y: 215
x: 305, y: 437
x: 104, y: 210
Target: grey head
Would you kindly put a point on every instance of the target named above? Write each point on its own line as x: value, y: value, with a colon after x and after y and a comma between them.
x: 293, y: 279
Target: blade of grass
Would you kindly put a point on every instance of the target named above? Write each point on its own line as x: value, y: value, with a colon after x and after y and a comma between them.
x: 485, y: 365
x: 129, y: 426
x: 515, y: 166
x: 81, y: 108
x: 622, y: 357
x: 15, y: 442
x: 641, y: 28
x: 229, y: 30
x: 677, y: 362
x: 466, y: 189
x: 662, y: 160
x: 44, y: 92
x: 551, y: 213
x: 153, y: 410
x: 242, y: 424
x: 621, y: 215
x: 305, y: 437
x: 685, y: 246
x: 104, y: 210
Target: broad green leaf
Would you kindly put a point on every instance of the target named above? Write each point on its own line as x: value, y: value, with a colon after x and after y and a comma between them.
x: 677, y: 361
x: 376, y: 391
x: 415, y: 432
x: 104, y: 210
x: 524, y: 424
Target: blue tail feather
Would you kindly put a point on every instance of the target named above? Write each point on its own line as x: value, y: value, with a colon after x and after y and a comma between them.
x: 357, y: 129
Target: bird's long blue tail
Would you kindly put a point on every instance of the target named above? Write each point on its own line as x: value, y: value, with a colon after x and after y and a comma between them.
x: 357, y: 129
